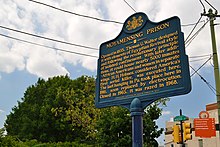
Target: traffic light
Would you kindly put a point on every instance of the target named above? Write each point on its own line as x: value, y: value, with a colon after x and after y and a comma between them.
x: 176, y: 134
x: 187, y: 130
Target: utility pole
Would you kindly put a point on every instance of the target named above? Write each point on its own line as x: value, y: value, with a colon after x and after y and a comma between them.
x: 212, y: 17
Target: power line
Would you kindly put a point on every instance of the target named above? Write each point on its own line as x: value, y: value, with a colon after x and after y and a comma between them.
x: 201, y: 66
x: 129, y: 5
x: 91, y: 17
x: 47, y: 38
x: 191, y: 24
x: 51, y: 39
x: 188, y: 42
x: 81, y: 15
x: 211, y: 5
x: 202, y: 6
x: 204, y: 80
x: 193, y: 28
x: 199, y: 56
x: 211, y: 63
x: 54, y: 48
x: 198, y: 59
x: 197, y: 32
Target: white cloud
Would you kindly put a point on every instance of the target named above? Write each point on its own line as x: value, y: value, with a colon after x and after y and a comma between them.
x: 1, y: 111
x: 46, y: 63
x: 166, y: 113
x: 10, y: 61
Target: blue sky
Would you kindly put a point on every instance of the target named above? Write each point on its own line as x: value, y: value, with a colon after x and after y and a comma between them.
x: 22, y: 64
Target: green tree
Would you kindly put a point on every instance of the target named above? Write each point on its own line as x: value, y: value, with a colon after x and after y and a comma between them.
x: 59, y: 109
x: 2, y: 131
x: 115, y: 126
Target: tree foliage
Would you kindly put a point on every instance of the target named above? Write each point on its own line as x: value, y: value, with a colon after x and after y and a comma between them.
x: 115, y: 126
x: 61, y: 109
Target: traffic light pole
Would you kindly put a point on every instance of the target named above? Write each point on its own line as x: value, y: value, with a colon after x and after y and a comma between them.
x: 215, y: 58
x: 181, y: 128
x: 182, y: 133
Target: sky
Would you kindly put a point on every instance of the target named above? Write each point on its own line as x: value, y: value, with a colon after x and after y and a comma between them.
x: 21, y: 63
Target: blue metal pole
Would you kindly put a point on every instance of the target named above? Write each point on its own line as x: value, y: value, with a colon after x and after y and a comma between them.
x: 137, y: 122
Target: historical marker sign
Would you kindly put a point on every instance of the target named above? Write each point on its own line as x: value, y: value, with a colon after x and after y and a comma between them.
x: 146, y: 60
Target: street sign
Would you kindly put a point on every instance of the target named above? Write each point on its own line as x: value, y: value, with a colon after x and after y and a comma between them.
x: 204, y: 127
x: 203, y: 114
x: 181, y: 118
x: 146, y: 60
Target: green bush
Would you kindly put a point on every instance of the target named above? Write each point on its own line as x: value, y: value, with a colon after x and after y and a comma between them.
x: 62, y: 144
x: 10, y: 141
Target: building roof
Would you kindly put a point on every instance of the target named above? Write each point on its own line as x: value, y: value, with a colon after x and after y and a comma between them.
x: 212, y: 106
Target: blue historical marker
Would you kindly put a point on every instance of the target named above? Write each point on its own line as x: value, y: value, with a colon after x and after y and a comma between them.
x: 146, y: 60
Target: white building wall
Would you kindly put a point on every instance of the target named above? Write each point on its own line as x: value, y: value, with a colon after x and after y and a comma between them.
x: 196, y: 141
